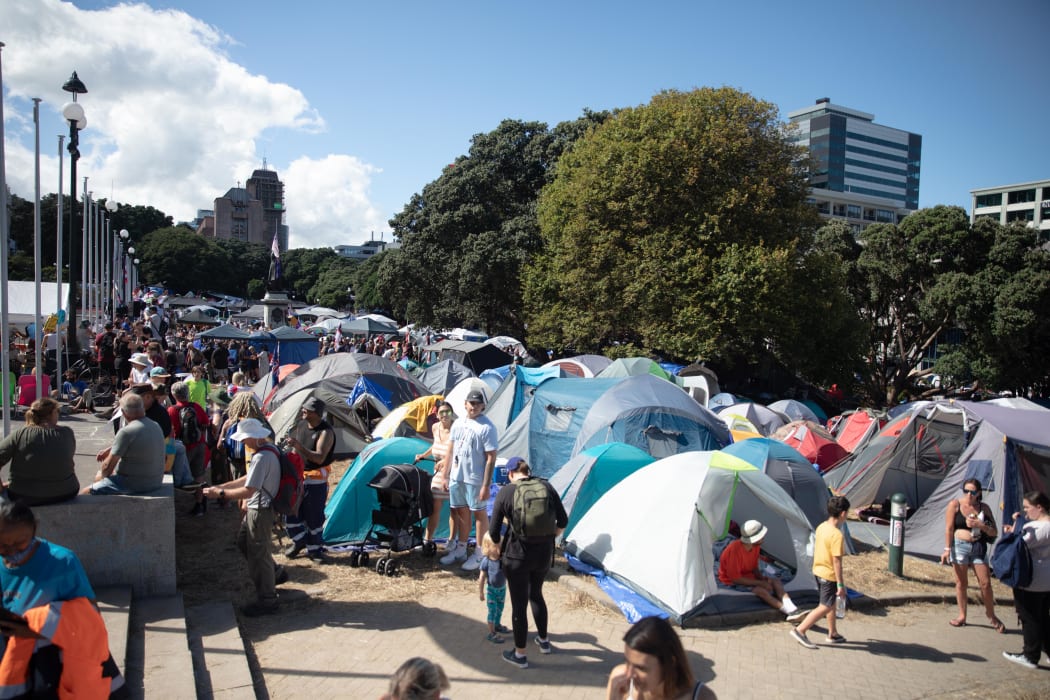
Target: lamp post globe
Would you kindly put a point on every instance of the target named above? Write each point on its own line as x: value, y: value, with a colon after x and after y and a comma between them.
x: 73, y: 113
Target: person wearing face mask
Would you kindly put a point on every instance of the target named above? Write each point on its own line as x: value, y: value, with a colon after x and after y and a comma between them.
x: 58, y: 633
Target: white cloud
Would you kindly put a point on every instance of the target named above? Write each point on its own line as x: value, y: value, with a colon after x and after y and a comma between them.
x: 172, y: 121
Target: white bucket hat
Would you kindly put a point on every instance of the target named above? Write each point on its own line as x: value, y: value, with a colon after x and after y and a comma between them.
x: 753, y: 531
x: 250, y: 428
x: 140, y: 358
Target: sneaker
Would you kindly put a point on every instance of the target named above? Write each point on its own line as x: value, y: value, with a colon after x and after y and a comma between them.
x: 544, y: 645
x: 503, y: 629
x: 473, y: 562
x: 1020, y: 660
x: 837, y: 639
x: 319, y: 557
x: 258, y: 609
x: 801, y: 639
x: 292, y: 551
x: 495, y: 638
x: 457, y: 554
x: 796, y: 616
x: 512, y: 658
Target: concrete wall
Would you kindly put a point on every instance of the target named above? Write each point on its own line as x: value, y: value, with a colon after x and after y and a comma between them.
x: 120, y: 540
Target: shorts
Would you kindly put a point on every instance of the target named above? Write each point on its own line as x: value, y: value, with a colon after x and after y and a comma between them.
x: 965, y: 553
x: 112, y: 485
x: 463, y: 495
x: 828, y: 591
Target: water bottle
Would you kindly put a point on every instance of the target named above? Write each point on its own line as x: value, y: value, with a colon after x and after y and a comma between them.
x: 840, y: 607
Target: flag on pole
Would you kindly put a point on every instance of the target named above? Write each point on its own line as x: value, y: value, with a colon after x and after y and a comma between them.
x: 275, y: 251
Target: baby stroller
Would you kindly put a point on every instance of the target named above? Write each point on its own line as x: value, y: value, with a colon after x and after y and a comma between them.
x: 404, y: 502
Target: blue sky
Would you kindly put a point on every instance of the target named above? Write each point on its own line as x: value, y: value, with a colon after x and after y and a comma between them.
x: 371, y: 99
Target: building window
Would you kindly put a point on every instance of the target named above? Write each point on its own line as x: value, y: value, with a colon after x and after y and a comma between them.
x: 823, y: 208
x: 839, y: 209
x: 1026, y: 215
x: 1021, y: 196
x: 884, y: 216
x: 853, y: 211
x: 869, y: 214
x: 990, y: 200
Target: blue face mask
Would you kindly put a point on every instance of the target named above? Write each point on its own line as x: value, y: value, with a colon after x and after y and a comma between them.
x: 20, y: 557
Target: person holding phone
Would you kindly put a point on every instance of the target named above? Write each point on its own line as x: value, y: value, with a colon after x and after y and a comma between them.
x: 969, y: 527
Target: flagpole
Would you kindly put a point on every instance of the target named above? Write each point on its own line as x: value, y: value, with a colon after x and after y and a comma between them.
x: 5, y: 331
x: 38, y: 351
x: 58, y: 268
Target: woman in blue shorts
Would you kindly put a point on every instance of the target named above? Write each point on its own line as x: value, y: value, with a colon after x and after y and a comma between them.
x: 969, y: 527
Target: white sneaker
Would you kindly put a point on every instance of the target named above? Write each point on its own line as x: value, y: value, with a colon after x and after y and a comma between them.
x: 788, y: 607
x: 473, y: 562
x: 457, y: 553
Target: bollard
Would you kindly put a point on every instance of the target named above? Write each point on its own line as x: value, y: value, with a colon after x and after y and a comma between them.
x: 898, y: 511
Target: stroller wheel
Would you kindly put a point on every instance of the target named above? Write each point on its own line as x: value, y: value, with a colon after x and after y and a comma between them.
x: 355, y: 559
x: 393, y: 567
x: 363, y: 559
x: 381, y: 566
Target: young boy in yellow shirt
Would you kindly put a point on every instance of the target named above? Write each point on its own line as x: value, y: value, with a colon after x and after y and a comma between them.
x: 827, y: 568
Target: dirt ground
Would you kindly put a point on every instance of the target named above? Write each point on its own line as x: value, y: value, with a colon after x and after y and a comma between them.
x: 210, y: 568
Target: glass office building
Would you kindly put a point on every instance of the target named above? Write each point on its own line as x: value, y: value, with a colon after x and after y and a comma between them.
x: 862, y: 172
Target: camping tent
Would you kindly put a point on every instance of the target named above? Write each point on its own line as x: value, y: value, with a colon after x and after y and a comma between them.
x: 911, y: 455
x: 21, y: 301
x: 412, y: 419
x: 794, y: 410
x: 223, y: 332
x: 348, y: 514
x: 286, y: 345
x: 476, y: 356
x: 349, y: 373
x: 813, y: 441
x: 633, y: 367
x: 510, y: 398
x: 440, y: 378
x: 853, y: 429
x: 1009, y: 454
x: 790, y: 470
x: 656, y: 530
x: 591, y: 473
x: 581, y: 365
x: 762, y: 417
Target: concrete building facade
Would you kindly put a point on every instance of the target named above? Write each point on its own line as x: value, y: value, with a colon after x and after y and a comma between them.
x: 863, y: 172
x: 1026, y: 202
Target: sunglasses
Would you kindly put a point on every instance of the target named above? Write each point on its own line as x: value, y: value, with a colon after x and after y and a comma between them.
x: 444, y: 413
x: 972, y: 492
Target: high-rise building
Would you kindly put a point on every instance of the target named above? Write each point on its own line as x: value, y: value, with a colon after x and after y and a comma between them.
x: 264, y: 186
x: 239, y: 217
x: 862, y: 172
x: 1027, y: 202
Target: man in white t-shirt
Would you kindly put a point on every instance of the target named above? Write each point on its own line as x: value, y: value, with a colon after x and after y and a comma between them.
x: 258, y: 487
x: 474, y: 444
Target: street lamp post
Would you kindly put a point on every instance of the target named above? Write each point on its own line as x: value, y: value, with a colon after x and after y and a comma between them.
x: 74, y: 114
x: 110, y: 293
x: 125, y: 286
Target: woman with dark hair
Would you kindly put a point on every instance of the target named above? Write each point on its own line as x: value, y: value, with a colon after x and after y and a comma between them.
x: 655, y: 666
x: 969, y: 527
x: 1033, y: 601
x: 439, y: 452
x: 41, y: 456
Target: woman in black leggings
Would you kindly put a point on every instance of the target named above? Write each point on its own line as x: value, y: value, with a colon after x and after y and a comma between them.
x: 526, y: 559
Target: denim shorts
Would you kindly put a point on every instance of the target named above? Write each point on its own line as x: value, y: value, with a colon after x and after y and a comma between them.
x: 965, y: 553
x: 463, y: 495
x: 112, y: 485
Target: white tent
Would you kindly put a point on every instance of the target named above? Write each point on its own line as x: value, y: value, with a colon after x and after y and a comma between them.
x: 656, y: 529
x: 21, y: 301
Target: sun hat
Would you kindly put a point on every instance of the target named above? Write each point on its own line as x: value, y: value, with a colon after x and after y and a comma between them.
x: 140, y: 358
x: 753, y: 531
x: 250, y: 428
x: 159, y: 372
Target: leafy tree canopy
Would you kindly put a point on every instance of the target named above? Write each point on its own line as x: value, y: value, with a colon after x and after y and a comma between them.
x: 681, y: 228
x: 183, y: 261
x: 466, y: 238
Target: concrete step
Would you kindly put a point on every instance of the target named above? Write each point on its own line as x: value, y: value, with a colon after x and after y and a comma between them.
x: 219, y: 658
x: 159, y: 664
x: 114, y: 602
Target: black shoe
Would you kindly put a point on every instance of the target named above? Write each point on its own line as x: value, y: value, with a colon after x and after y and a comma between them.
x: 280, y: 575
x: 292, y: 551
x: 258, y: 609
x: 319, y: 557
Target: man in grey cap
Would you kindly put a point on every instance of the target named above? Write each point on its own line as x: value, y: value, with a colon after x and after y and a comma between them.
x: 314, y: 440
x: 474, y: 444
x: 258, y: 486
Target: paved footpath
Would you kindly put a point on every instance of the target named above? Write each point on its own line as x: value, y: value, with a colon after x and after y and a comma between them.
x: 323, y: 649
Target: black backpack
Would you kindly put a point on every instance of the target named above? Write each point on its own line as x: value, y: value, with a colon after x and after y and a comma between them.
x: 533, y: 512
x: 189, y: 428
x: 1011, y: 561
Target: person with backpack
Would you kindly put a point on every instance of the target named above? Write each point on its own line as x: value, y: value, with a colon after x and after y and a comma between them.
x: 256, y: 489
x: 189, y: 425
x: 969, y: 529
x: 314, y: 440
x: 535, y: 516
x: 1033, y: 600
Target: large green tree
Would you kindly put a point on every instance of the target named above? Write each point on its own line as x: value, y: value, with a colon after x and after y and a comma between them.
x: 302, y: 267
x: 183, y: 261
x: 681, y: 228
x: 466, y: 238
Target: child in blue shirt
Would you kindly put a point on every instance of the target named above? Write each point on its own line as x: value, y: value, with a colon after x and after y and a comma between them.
x: 492, y: 586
